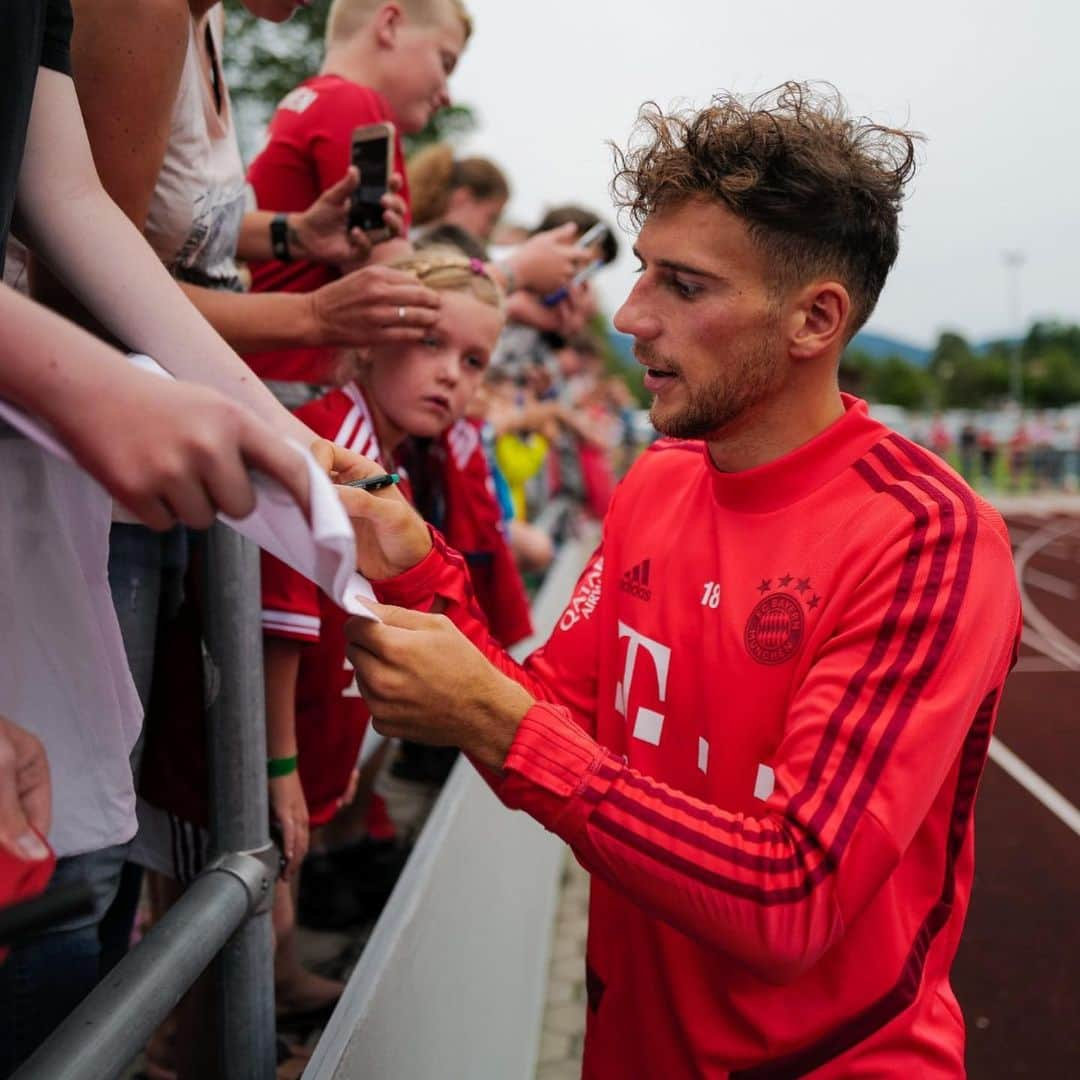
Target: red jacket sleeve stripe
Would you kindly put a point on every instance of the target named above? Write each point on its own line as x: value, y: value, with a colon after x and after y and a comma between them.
x: 880, y: 649
x: 860, y: 746
x: 942, y: 631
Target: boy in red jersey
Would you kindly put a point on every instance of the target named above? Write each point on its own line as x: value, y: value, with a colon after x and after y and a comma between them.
x: 761, y: 720
x: 384, y: 62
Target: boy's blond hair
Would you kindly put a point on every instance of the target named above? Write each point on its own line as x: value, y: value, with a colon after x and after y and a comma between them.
x: 346, y: 17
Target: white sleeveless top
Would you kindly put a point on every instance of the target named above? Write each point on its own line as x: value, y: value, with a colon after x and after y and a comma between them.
x: 64, y: 674
x: 201, y: 194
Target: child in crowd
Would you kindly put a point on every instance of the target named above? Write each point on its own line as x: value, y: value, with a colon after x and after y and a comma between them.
x: 384, y: 62
x: 469, y: 193
x: 316, y: 719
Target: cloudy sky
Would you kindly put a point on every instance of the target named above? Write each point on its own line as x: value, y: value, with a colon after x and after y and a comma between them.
x: 994, y: 86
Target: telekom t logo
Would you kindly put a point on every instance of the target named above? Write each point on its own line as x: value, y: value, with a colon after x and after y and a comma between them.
x: 648, y: 724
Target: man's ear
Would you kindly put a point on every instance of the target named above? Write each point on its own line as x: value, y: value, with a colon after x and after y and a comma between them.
x: 388, y: 20
x: 821, y: 314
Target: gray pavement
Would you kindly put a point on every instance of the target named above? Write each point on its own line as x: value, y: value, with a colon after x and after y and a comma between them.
x: 563, y: 1030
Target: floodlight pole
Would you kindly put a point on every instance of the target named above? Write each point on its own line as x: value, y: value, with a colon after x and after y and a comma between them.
x: 1014, y: 262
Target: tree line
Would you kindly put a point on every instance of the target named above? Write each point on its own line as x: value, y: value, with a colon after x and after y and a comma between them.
x: 959, y: 375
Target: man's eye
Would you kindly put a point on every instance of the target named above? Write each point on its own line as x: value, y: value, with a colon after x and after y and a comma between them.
x: 686, y: 289
x: 431, y: 342
x: 477, y: 363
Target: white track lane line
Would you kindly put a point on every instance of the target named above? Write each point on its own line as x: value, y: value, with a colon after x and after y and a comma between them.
x: 1056, y: 644
x: 1035, y: 785
x: 1050, y: 583
x: 1036, y: 663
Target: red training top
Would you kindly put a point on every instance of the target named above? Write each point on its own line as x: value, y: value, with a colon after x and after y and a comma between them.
x: 771, y: 697
x: 331, y: 717
x: 308, y: 149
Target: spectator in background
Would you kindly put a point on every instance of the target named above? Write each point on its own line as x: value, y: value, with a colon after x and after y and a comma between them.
x: 535, y: 329
x: 988, y: 454
x: 1019, y: 456
x: 470, y: 193
x: 940, y: 439
x: 315, y: 717
x: 969, y: 447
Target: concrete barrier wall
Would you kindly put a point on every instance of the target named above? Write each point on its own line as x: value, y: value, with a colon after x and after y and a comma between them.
x: 451, y: 985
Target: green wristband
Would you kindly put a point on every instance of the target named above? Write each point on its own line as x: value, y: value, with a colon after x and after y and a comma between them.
x: 280, y: 766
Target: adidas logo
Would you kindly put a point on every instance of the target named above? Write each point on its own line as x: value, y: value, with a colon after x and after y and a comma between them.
x: 635, y: 581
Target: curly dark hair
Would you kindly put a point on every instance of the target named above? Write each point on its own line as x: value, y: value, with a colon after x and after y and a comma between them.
x: 819, y: 190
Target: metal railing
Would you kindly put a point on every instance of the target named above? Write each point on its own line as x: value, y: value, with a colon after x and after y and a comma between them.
x: 225, y: 913
x: 223, y: 918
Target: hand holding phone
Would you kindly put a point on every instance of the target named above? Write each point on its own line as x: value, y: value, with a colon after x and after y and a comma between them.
x: 373, y: 155
x: 591, y: 238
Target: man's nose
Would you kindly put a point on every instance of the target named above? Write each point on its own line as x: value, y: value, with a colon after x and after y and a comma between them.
x: 634, y: 318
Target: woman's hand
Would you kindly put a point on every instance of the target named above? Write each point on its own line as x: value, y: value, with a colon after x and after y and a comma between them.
x: 322, y: 234
x: 373, y: 305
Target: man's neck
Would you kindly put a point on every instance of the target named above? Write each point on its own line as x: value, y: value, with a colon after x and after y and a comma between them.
x: 774, y: 428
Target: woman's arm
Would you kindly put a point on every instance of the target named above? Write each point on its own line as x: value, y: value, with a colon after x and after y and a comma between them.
x: 168, y: 451
x: 126, y: 57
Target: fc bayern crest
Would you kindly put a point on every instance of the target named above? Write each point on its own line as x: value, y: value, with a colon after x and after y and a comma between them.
x: 774, y: 629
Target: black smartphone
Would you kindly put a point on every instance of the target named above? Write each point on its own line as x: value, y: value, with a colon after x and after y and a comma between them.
x: 373, y: 155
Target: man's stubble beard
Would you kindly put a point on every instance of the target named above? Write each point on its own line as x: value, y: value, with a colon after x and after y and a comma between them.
x: 736, y: 388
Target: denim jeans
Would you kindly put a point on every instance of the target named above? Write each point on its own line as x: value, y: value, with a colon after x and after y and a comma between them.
x: 45, y: 977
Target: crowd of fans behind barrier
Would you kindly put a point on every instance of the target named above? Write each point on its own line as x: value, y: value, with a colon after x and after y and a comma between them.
x: 462, y: 353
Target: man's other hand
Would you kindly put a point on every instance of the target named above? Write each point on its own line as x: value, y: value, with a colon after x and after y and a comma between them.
x: 423, y: 680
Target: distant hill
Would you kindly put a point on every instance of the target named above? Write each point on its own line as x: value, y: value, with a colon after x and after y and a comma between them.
x: 879, y: 346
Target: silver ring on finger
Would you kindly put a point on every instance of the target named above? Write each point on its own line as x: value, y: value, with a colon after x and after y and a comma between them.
x: 401, y: 314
